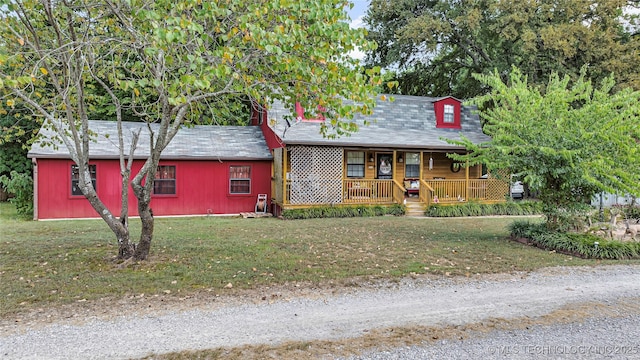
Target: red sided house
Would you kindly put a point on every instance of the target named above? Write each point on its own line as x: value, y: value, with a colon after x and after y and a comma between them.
x: 204, y: 170
x: 400, y: 157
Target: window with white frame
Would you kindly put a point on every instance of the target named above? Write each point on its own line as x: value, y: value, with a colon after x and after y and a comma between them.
x: 448, y: 114
x: 412, y: 165
x: 75, y: 179
x: 240, y: 179
x: 355, y: 164
x: 165, y: 180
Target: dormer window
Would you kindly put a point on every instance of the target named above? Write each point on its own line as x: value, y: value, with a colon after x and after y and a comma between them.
x: 447, y: 113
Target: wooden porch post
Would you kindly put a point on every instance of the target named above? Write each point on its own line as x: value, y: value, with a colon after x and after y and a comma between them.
x: 395, y: 165
x: 466, y: 176
x: 285, y: 200
x: 421, y: 165
x: 422, y: 196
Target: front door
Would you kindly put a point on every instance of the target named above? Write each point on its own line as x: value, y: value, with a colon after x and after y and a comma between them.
x: 385, y: 166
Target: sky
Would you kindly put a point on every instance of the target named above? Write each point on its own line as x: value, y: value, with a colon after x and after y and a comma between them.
x: 356, y: 14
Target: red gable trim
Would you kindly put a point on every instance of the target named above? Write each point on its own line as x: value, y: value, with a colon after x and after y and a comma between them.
x: 259, y: 117
x: 439, y: 107
x: 300, y: 113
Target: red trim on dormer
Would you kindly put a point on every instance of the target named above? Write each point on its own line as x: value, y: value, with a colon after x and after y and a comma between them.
x: 439, y: 106
x: 300, y: 113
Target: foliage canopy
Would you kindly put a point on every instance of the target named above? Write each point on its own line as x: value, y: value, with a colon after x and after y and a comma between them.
x: 16, y: 129
x: 436, y: 45
x: 567, y: 143
x: 166, y: 62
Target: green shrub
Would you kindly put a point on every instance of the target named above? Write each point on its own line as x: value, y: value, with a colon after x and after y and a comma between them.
x: 476, y: 209
x: 396, y: 209
x: 526, y: 229
x: 20, y: 185
x: 343, y: 211
x: 582, y: 245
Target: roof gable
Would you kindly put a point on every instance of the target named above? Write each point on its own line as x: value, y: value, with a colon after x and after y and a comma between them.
x: 447, y: 98
x: 406, y: 122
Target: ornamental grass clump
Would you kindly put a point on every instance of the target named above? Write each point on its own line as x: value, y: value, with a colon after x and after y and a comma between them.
x: 343, y: 211
x: 476, y: 209
x: 583, y: 245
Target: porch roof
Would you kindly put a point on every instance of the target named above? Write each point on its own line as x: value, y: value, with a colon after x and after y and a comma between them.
x: 199, y: 142
x: 408, y: 122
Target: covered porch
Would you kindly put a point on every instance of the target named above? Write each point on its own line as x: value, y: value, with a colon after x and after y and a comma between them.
x: 306, y: 176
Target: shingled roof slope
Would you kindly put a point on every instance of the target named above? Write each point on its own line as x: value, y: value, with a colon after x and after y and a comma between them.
x: 200, y: 142
x: 406, y: 122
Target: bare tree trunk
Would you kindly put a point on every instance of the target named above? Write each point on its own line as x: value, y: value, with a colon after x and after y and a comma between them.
x: 126, y: 249
x: 144, y: 246
x: 143, y: 194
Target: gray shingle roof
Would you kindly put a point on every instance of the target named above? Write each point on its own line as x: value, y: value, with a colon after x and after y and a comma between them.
x: 407, y: 122
x: 200, y: 142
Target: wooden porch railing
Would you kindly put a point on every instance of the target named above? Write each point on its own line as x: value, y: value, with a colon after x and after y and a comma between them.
x: 361, y: 191
x: 486, y: 190
x: 365, y: 191
x: 398, y: 192
x: 426, y: 193
x: 448, y: 190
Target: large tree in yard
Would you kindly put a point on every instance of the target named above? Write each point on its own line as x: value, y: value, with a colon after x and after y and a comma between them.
x: 437, y: 45
x: 162, y: 60
x: 568, y: 141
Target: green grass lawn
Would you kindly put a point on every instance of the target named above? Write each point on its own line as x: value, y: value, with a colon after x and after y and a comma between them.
x: 55, y: 262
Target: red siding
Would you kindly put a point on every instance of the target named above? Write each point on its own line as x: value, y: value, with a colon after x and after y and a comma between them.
x: 438, y: 107
x: 202, y: 187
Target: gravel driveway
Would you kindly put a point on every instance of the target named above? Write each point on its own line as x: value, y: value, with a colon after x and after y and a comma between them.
x: 411, y: 302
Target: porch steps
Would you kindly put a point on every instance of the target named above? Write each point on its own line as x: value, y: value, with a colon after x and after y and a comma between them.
x: 414, y: 207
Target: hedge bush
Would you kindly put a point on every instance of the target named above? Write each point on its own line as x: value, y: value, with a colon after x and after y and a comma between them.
x: 344, y: 211
x: 583, y: 245
x: 476, y: 209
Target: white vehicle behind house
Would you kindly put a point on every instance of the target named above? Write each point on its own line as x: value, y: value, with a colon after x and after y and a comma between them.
x: 517, y: 190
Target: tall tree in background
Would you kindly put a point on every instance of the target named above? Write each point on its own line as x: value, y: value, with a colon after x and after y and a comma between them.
x: 17, y: 129
x: 436, y: 45
x: 162, y: 59
x: 568, y: 143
